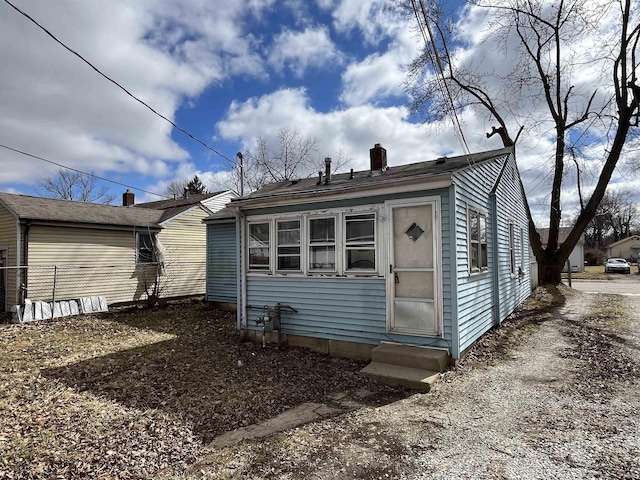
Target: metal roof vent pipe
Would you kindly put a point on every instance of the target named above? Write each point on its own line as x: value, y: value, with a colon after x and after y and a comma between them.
x: 327, y: 171
x: 319, y: 178
x: 378, y: 157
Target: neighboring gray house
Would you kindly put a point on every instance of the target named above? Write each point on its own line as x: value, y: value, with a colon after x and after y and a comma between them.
x: 431, y: 254
x: 576, y: 258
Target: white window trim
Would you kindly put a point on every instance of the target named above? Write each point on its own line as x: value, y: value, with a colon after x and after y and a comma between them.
x: 247, y: 248
x: 339, y: 214
x: 336, y: 242
x: 512, y: 249
x: 376, y: 244
x: 277, y: 245
x: 480, y: 213
x: 522, y: 249
x: 153, y: 252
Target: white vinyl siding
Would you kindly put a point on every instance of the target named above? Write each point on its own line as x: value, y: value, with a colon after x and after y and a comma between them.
x: 184, y: 240
x: 9, y: 241
x: 103, y: 262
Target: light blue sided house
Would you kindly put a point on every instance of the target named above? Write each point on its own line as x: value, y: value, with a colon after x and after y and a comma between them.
x: 373, y: 264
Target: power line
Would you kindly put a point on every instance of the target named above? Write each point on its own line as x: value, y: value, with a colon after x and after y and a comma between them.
x: 80, y: 171
x: 435, y: 60
x: 118, y: 85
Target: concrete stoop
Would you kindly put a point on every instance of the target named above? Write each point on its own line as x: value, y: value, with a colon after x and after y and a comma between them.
x: 407, y: 366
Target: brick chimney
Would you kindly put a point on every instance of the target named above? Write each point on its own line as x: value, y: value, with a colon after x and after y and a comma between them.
x: 128, y: 198
x: 378, y: 156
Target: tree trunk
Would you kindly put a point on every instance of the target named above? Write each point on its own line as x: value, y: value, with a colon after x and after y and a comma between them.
x: 550, y: 268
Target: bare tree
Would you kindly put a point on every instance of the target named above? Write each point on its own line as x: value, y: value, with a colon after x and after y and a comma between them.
x: 70, y: 185
x: 175, y: 188
x: 622, y: 213
x: 544, y: 37
x: 288, y: 156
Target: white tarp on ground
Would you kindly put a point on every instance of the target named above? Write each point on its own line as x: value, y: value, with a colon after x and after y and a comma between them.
x: 38, y: 310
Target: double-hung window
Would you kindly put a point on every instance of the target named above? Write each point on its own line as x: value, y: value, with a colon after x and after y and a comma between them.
x: 522, y: 249
x: 322, y: 243
x: 289, y: 245
x: 512, y: 248
x: 259, y: 243
x: 360, y: 241
x: 477, y: 241
x: 145, y: 250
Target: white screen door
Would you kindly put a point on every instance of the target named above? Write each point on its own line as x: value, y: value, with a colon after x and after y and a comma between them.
x: 413, y: 277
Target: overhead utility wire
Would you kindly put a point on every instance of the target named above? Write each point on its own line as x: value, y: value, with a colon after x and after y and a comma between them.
x: 80, y: 171
x: 438, y: 62
x: 120, y: 86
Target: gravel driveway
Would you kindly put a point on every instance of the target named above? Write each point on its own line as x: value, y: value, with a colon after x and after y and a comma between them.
x: 619, y: 284
x: 564, y: 402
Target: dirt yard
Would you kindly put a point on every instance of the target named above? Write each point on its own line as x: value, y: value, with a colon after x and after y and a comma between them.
x: 548, y: 395
x: 553, y: 393
x: 138, y: 393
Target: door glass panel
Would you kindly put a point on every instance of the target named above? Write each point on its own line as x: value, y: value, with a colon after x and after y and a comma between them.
x: 416, y: 316
x: 414, y: 284
x: 411, y: 249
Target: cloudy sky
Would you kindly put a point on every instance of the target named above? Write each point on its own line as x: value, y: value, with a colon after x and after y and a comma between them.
x: 226, y: 72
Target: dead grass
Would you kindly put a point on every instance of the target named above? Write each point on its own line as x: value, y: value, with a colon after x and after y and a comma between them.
x: 138, y: 393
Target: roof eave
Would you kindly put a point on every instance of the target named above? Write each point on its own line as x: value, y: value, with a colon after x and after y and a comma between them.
x: 97, y: 226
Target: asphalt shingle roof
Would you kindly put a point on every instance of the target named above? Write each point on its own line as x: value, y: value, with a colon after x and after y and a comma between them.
x: 368, y: 179
x: 178, y: 202
x: 53, y: 210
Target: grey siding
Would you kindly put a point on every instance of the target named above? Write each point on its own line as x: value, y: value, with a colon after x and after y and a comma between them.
x: 348, y: 309
x: 512, y: 289
x: 222, y: 264
x: 475, y: 292
x: 488, y: 298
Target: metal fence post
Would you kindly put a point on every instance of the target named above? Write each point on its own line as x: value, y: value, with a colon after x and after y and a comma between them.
x: 55, y: 279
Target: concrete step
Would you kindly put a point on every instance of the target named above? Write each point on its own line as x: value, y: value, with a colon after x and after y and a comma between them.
x: 397, y: 375
x: 411, y: 356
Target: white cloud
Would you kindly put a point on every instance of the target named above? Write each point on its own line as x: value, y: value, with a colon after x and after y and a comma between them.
x: 57, y: 107
x: 299, y: 51
x: 353, y: 130
x: 376, y: 77
x: 375, y: 19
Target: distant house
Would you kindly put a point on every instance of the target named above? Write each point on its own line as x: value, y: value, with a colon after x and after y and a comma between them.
x: 576, y: 258
x: 431, y: 254
x: 85, y: 249
x: 628, y: 248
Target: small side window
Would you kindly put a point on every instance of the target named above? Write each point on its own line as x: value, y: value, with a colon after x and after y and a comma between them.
x: 477, y: 231
x: 512, y: 249
x: 145, y: 251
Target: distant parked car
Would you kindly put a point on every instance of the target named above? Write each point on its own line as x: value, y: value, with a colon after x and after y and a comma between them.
x: 614, y: 265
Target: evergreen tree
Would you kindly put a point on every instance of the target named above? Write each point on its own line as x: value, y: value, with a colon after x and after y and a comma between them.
x: 195, y: 186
